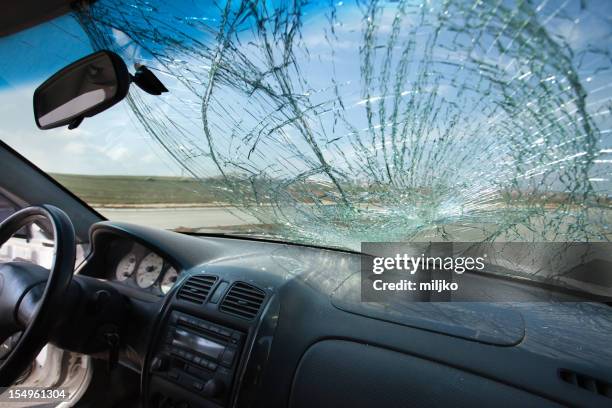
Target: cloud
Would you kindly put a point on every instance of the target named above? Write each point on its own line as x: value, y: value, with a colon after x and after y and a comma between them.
x: 75, y: 148
x: 118, y: 153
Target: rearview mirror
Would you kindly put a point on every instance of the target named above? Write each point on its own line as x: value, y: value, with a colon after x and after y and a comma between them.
x: 81, y: 89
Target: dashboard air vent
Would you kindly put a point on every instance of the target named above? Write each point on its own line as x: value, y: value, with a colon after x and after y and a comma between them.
x: 197, y: 288
x: 587, y: 383
x: 243, y: 300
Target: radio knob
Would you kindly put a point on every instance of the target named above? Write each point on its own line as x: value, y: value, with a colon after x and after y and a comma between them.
x: 213, y: 388
x: 159, y: 364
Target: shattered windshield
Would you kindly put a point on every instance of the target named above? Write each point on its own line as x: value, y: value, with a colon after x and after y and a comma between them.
x: 337, y: 122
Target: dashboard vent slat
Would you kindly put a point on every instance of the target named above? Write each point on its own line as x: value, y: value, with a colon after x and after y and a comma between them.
x: 246, y: 296
x: 587, y: 383
x: 243, y: 300
x: 196, y: 288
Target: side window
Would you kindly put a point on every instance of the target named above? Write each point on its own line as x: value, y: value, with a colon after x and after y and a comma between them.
x: 7, y: 207
x: 33, y: 243
x: 30, y: 244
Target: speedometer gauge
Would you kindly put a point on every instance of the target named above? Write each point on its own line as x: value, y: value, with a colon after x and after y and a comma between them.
x: 148, y: 270
x: 125, y: 267
x: 168, y: 280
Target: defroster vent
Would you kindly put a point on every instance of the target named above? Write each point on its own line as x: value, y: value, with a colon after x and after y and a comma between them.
x: 243, y: 300
x: 587, y: 383
x: 196, y: 288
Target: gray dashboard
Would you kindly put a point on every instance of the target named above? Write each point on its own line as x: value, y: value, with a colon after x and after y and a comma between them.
x: 313, y: 343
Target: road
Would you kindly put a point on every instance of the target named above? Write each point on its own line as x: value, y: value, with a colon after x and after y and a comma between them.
x: 172, y: 218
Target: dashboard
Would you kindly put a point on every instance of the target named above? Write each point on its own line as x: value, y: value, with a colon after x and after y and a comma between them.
x: 223, y: 322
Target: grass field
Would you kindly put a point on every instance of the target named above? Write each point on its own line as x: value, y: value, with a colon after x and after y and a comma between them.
x: 126, y: 191
x: 138, y: 190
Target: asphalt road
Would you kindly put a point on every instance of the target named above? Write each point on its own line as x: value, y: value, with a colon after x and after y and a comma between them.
x: 172, y: 218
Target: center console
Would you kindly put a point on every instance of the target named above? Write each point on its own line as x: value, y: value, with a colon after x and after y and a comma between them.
x: 198, y: 356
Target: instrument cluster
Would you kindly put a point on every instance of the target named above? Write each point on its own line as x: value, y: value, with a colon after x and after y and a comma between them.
x: 134, y: 265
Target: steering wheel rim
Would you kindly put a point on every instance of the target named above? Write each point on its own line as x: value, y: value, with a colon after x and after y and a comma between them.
x: 20, y: 289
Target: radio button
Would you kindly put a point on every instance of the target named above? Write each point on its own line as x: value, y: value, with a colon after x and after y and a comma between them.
x: 228, y: 356
x: 214, y: 387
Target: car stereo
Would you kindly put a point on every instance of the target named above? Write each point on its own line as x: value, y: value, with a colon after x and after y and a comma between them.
x: 198, y: 355
x: 186, y: 340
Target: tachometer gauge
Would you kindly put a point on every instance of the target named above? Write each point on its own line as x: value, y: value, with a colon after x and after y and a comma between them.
x: 148, y: 270
x: 125, y: 267
x: 168, y: 280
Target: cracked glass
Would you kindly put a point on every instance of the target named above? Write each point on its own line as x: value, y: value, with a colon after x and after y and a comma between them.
x: 337, y: 122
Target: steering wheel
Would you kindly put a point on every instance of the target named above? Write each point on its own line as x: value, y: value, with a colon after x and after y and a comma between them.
x: 30, y: 296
